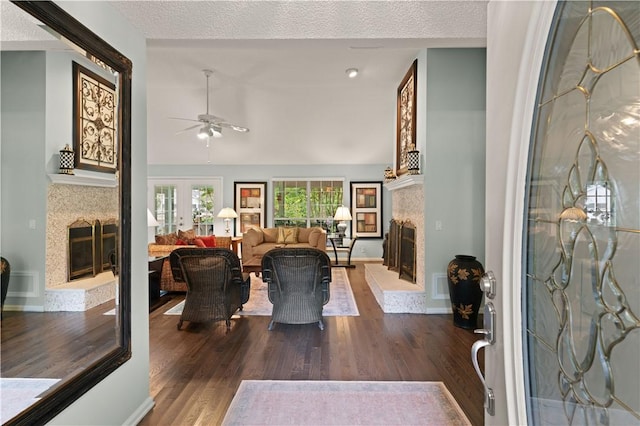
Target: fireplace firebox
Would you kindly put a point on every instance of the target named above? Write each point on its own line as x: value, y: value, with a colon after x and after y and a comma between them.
x: 90, y: 245
x: 400, y: 250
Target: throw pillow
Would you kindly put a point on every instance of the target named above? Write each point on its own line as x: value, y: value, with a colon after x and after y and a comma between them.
x: 167, y: 239
x: 209, y: 241
x: 287, y: 235
x: 179, y: 242
x: 187, y: 235
x: 270, y: 235
x: 198, y: 242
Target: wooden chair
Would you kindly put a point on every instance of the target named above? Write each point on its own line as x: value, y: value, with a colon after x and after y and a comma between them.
x: 216, y: 287
x: 298, y: 284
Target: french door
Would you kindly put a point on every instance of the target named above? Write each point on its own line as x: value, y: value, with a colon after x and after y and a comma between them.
x: 179, y: 203
x: 569, y: 269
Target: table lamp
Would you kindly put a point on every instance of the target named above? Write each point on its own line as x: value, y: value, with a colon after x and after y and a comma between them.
x: 342, y: 215
x: 227, y: 214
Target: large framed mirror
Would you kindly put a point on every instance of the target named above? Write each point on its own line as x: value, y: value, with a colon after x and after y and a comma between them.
x: 55, y: 348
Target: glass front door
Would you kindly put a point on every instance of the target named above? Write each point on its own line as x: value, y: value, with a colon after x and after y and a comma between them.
x: 581, y: 262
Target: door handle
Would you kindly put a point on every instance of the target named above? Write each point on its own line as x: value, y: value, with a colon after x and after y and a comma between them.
x: 489, y: 397
x: 488, y: 286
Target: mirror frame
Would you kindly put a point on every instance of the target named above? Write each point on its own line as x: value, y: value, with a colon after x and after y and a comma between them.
x: 70, y: 390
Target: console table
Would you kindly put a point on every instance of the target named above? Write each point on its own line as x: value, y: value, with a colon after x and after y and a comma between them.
x: 337, y: 243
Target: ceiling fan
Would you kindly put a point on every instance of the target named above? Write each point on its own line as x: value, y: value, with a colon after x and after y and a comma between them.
x: 210, y: 125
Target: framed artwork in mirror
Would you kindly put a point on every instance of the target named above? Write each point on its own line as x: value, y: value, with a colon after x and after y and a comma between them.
x: 95, y: 114
x: 366, y: 209
x: 250, y: 204
x: 406, y: 120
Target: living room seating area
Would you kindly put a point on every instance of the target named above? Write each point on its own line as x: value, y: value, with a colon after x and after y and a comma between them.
x: 258, y: 241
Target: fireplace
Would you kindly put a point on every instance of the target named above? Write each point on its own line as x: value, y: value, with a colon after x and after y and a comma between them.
x: 90, y: 245
x: 400, y: 250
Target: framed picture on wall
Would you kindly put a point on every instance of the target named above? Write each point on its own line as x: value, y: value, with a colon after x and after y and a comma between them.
x: 250, y: 200
x: 366, y: 209
x: 406, y: 120
x: 95, y: 121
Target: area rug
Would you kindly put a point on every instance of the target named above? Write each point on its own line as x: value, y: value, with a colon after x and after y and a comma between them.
x: 341, y: 300
x: 18, y: 394
x: 284, y: 402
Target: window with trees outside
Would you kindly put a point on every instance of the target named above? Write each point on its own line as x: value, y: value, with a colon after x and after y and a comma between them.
x: 306, y: 203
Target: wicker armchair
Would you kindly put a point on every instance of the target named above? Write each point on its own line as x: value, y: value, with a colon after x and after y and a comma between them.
x: 216, y: 287
x: 298, y: 284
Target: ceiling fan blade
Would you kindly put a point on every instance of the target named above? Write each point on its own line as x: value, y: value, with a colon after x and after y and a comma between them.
x: 184, y: 119
x: 188, y: 128
x: 234, y: 127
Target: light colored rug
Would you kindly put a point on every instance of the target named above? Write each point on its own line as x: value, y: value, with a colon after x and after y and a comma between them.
x: 283, y: 402
x: 341, y: 300
x: 18, y: 394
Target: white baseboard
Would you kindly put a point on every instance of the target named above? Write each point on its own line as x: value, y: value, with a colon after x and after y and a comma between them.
x: 137, y: 416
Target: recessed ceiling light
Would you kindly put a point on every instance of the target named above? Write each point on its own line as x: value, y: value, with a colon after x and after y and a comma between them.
x: 352, y: 72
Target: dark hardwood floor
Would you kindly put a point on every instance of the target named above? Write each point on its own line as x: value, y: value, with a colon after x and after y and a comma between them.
x: 55, y: 344
x: 196, y: 372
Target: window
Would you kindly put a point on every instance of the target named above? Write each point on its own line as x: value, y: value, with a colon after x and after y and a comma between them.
x: 306, y: 203
x: 186, y: 204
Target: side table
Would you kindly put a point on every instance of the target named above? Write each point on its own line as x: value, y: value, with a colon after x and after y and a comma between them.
x: 157, y: 297
x: 338, y: 243
x: 234, y: 244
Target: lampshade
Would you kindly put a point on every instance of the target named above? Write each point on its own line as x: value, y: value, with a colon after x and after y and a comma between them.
x: 228, y: 213
x: 342, y: 213
x: 151, y: 221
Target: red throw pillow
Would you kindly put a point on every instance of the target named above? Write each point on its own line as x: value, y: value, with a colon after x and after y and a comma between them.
x: 198, y: 242
x: 209, y: 241
x: 180, y: 243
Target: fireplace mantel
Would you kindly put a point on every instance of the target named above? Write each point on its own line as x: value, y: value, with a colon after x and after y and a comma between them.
x: 404, y: 181
x: 108, y: 181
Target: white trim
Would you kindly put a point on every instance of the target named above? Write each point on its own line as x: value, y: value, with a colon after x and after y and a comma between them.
x: 293, y: 179
x: 23, y: 308
x: 108, y: 181
x: 438, y: 311
x: 404, y: 181
x: 139, y: 413
x: 524, y: 107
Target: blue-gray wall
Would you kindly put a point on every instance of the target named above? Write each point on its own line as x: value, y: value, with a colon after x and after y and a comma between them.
x: 454, y: 158
x: 24, y: 179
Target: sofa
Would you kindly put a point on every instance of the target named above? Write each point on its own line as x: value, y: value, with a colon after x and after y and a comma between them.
x: 258, y: 241
x: 165, y: 244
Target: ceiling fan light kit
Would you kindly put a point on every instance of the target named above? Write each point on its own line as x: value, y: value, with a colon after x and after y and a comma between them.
x: 209, y: 131
x: 212, y: 124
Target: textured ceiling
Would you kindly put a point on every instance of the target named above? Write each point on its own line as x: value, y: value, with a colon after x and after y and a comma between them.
x: 279, y: 69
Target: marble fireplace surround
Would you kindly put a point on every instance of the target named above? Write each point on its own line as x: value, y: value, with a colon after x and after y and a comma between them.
x: 393, y: 294
x: 67, y: 203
